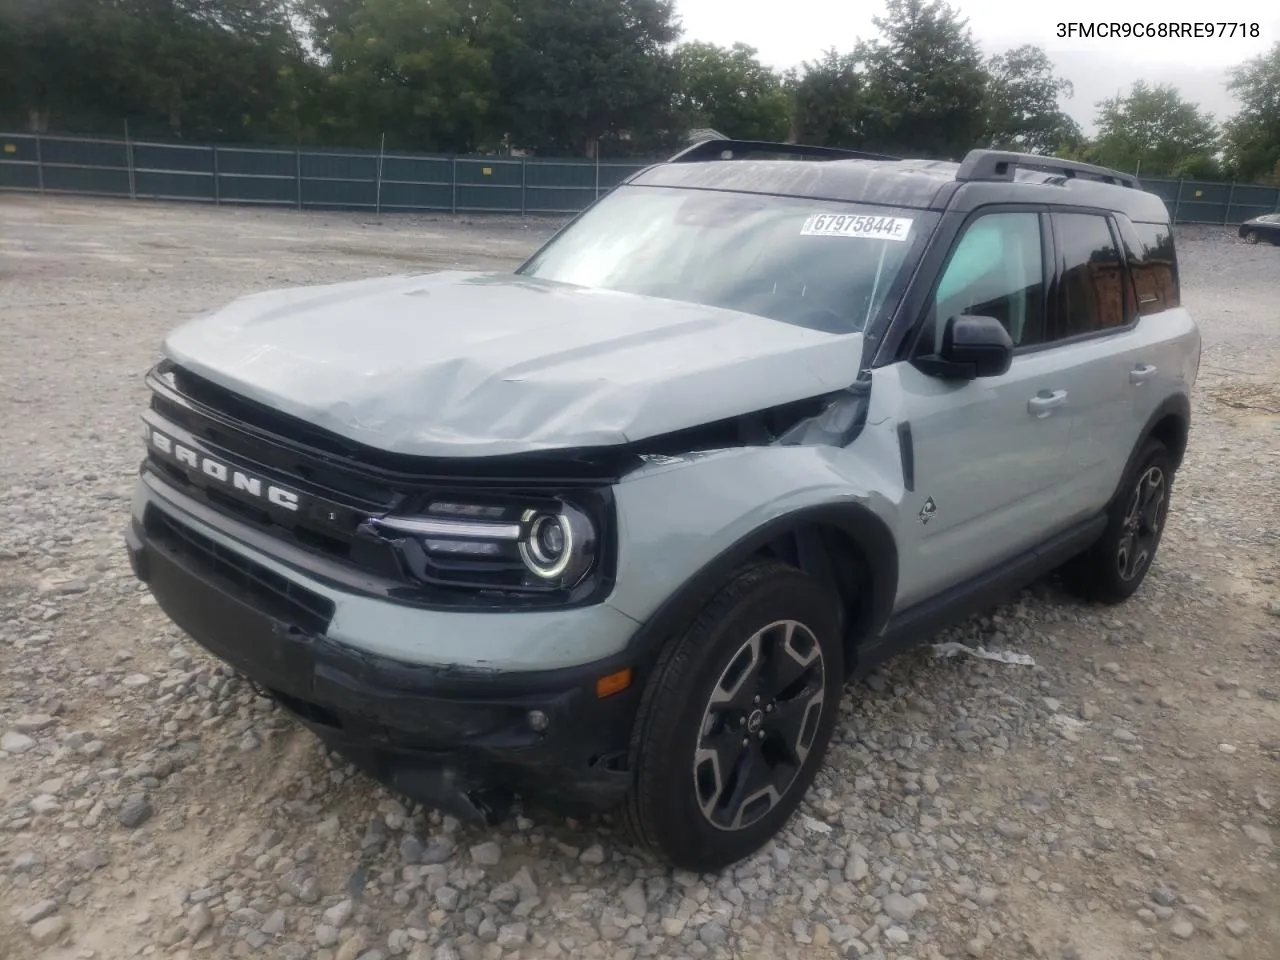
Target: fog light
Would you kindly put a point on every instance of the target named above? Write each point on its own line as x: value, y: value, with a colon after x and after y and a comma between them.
x: 537, y: 721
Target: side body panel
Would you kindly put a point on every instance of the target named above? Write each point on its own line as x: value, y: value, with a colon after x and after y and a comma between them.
x: 1121, y: 379
x: 986, y: 467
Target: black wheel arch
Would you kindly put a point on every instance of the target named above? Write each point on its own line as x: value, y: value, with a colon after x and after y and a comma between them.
x: 1171, y: 425
x: 843, y: 545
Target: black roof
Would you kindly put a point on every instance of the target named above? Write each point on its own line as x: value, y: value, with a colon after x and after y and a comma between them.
x: 985, y: 176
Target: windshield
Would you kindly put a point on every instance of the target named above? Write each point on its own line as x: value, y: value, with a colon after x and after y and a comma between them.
x: 816, y: 263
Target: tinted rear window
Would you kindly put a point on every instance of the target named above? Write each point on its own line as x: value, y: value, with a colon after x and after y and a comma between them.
x: 1155, y: 268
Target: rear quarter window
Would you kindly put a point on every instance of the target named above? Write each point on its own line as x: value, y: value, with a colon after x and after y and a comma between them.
x: 1153, y: 264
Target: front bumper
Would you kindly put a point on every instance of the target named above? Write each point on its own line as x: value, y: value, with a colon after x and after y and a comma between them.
x: 459, y: 738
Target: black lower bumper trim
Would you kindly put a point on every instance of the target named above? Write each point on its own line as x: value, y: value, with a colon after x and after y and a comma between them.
x: 458, y: 746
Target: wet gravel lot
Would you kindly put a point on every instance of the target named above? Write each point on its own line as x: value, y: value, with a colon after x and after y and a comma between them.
x: 1118, y: 799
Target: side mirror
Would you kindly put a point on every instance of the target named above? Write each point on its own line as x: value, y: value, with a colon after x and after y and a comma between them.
x: 971, y: 347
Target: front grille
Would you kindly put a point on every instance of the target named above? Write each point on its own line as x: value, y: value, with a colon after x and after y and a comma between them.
x: 263, y: 589
x: 340, y: 487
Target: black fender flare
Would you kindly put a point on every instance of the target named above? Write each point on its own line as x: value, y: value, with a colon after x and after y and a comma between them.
x: 878, y: 575
x: 1177, y: 405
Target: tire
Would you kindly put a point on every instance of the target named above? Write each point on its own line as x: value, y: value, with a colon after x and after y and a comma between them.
x: 1114, y: 568
x: 1251, y: 236
x: 767, y: 613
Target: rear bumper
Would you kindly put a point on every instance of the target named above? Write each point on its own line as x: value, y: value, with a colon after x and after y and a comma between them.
x: 459, y: 739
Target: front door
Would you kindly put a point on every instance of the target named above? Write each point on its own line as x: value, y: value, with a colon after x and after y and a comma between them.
x: 988, y: 453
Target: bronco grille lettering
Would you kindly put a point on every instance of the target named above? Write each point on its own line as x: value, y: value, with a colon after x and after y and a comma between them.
x: 227, y: 475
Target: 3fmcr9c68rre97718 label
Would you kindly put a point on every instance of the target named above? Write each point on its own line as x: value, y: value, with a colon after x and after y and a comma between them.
x: 853, y: 225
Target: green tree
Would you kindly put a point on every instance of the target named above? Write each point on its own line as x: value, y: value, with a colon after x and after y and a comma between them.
x: 826, y: 97
x: 1022, y: 111
x: 730, y: 90
x: 197, y: 68
x: 1251, y: 138
x: 1155, y: 132
x: 420, y: 71
x: 572, y: 74
x: 925, y: 82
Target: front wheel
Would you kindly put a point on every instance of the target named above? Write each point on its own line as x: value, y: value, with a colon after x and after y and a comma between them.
x: 1251, y: 236
x: 1113, y: 568
x: 736, y: 719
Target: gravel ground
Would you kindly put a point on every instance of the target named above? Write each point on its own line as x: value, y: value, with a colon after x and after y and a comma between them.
x: 1118, y: 799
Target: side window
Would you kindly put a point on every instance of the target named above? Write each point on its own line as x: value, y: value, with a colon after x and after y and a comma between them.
x: 996, y: 270
x: 1159, y: 271
x: 1091, y: 289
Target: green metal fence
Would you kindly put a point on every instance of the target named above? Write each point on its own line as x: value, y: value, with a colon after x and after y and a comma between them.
x: 337, y: 179
x: 308, y: 178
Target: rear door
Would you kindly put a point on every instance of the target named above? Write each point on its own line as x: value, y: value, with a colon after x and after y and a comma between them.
x: 1109, y: 359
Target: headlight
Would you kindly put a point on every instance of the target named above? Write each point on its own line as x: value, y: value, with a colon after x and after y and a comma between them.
x: 551, y: 546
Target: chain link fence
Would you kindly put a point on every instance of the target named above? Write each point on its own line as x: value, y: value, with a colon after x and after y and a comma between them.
x: 337, y: 179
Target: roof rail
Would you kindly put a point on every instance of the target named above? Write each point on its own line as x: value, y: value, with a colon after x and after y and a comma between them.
x: 740, y: 149
x: 1000, y: 165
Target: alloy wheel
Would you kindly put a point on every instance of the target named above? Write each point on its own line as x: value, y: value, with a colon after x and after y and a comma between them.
x: 759, y: 725
x: 1142, y: 522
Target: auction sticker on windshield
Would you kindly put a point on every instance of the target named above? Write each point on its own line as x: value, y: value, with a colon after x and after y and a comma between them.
x: 849, y: 225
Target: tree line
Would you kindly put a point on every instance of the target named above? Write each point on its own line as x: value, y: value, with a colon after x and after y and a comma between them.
x: 581, y: 78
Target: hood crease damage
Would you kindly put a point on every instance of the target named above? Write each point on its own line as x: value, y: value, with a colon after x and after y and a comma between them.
x: 462, y: 364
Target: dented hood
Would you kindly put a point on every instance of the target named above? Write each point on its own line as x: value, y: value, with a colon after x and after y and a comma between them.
x: 468, y: 364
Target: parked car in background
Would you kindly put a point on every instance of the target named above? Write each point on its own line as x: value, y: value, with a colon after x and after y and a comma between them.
x: 1265, y: 227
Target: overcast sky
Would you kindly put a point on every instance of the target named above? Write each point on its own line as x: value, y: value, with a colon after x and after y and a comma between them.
x: 788, y: 32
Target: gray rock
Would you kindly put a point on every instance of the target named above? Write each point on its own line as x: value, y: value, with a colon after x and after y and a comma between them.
x: 1164, y: 897
x: 897, y: 935
x: 135, y: 811
x: 15, y: 742
x: 274, y: 924
x: 447, y: 898
x: 1011, y: 830
x: 301, y: 886
x: 487, y: 854
x: 899, y: 908
x: 593, y: 855
x: 1237, y: 927
x: 512, y: 936
x: 712, y: 934
x: 199, y: 919
x: 95, y: 858
x: 1258, y: 834
x: 48, y: 930
x: 411, y: 849
x: 38, y: 911
x: 438, y: 850
x: 44, y: 804
x: 634, y: 900
x: 326, y: 935
x: 1182, y: 929
x: 855, y: 868
x: 487, y: 931
x: 338, y: 915
x: 33, y: 722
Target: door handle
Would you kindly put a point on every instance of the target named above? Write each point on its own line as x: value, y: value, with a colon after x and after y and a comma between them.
x: 1045, y: 401
x: 1142, y: 373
